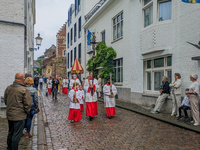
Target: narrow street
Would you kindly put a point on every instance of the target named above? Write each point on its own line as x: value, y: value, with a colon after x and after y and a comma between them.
x: 127, y: 130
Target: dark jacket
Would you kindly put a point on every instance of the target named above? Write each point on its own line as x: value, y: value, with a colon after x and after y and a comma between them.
x: 34, y: 95
x: 165, y: 87
x: 55, y: 82
x: 18, y: 101
x: 36, y: 80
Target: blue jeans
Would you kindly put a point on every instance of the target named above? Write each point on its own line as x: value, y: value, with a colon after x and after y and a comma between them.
x: 29, y: 118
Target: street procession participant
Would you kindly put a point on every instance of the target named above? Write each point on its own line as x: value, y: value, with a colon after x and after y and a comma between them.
x: 109, y: 91
x: 74, y: 107
x: 49, y: 83
x: 90, y: 86
x: 72, y: 81
x: 65, y: 85
x: 82, y: 97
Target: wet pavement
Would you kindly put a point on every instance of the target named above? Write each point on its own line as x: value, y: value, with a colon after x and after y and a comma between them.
x: 127, y: 130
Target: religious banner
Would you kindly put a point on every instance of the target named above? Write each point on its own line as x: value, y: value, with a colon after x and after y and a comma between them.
x: 48, y: 72
x: 191, y: 1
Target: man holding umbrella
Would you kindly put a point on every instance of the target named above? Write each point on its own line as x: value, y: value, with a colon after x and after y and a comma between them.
x: 90, y: 86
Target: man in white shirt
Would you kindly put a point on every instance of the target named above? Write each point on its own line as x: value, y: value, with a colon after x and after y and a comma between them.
x: 73, y: 80
x: 41, y: 82
x: 90, y: 87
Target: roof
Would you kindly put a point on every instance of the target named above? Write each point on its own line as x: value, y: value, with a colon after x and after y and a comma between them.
x: 47, y: 60
x: 36, y: 64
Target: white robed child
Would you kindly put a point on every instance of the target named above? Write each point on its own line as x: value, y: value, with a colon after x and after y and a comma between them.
x: 74, y: 107
x: 109, y: 91
x: 82, y: 98
x: 65, y: 85
x: 72, y: 81
x: 49, y: 85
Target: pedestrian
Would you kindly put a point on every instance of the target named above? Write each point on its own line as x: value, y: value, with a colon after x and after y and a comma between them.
x: 73, y: 80
x: 54, y: 89
x: 41, y: 82
x: 74, y: 107
x: 28, y: 75
x: 185, y: 105
x: 109, y: 91
x: 164, y: 93
x: 65, y: 85
x: 68, y: 82
x: 90, y: 86
x: 34, y: 106
x: 18, y: 101
x: 59, y: 85
x: 82, y: 97
x: 100, y: 87
x: 194, y: 98
x: 49, y: 85
x: 176, y: 94
x: 36, y: 82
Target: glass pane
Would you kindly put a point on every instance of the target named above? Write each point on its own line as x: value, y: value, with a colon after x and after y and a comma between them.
x: 148, y: 64
x: 148, y: 16
x: 149, y: 81
x: 114, y: 22
x: 114, y: 33
x: 118, y: 30
x: 159, y: 62
x: 122, y: 62
x: 146, y: 1
x: 121, y: 74
x: 165, y: 9
x: 121, y: 28
x: 122, y: 16
x: 118, y: 77
x: 169, y: 75
x: 118, y: 62
x: 115, y: 73
x: 114, y: 62
x: 169, y: 61
x: 158, y: 80
x: 118, y: 18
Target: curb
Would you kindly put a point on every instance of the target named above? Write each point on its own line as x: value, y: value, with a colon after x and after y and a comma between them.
x: 42, y: 144
x: 185, y: 126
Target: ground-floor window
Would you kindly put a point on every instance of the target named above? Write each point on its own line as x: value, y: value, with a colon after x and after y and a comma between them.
x: 155, y: 69
x: 118, y: 70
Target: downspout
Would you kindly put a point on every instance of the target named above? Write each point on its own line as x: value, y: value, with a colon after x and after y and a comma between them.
x: 25, y: 35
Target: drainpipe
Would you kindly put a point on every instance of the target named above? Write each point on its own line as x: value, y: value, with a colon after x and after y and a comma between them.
x: 25, y: 36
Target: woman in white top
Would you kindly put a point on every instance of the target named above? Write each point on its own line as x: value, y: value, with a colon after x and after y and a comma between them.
x: 176, y: 94
x: 65, y: 85
x: 194, y: 98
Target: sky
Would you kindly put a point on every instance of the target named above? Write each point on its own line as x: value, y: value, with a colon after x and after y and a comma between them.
x: 50, y: 17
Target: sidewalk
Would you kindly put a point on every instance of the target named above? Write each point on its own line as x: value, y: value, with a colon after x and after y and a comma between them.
x: 167, y: 118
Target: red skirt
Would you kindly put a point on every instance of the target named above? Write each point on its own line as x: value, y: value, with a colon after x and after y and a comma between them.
x: 110, y: 111
x: 49, y: 90
x: 91, y: 109
x: 74, y: 114
x: 81, y: 107
x: 65, y: 90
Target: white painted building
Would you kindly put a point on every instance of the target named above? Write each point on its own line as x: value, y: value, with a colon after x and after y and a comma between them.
x: 75, y: 34
x: 17, y: 19
x: 150, y: 38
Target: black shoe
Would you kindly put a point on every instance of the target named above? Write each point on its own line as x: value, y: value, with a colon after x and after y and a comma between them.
x: 179, y: 118
x: 109, y: 117
x: 90, y: 118
x: 185, y: 119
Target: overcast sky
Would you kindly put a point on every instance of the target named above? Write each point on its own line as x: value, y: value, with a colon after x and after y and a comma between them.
x: 50, y: 17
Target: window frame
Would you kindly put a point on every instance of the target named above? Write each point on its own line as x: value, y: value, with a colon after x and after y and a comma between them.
x: 152, y: 70
x: 75, y: 31
x: 71, y: 58
x: 67, y: 60
x: 71, y: 36
x: 79, y: 52
x: 103, y: 32
x: 158, y: 9
x: 144, y: 7
x: 121, y: 70
x: 79, y: 27
x: 68, y: 40
x: 75, y: 53
x: 116, y: 25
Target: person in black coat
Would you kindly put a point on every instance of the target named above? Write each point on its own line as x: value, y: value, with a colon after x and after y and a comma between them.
x: 54, y: 89
x: 164, y: 93
x: 36, y: 82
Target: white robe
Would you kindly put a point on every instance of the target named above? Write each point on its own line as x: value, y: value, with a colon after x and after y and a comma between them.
x: 89, y: 97
x: 49, y: 82
x: 72, y: 82
x: 71, y: 96
x: 109, y: 102
x: 82, y: 97
x: 65, y: 83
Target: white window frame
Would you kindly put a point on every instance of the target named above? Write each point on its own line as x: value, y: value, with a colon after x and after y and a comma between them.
x: 118, y: 22
x: 144, y: 7
x: 152, y: 70
x: 121, y: 66
x: 159, y: 9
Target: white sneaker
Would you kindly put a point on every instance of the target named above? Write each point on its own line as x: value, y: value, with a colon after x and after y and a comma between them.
x: 173, y: 115
x: 196, y: 124
x: 192, y: 121
x: 177, y: 116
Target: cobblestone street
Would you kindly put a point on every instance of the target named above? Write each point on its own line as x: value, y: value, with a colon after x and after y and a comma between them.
x: 127, y: 130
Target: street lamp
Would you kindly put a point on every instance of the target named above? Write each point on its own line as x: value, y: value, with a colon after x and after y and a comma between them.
x: 38, y: 40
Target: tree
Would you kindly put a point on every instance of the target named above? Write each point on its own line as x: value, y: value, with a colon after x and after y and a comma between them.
x: 39, y: 70
x: 104, y: 58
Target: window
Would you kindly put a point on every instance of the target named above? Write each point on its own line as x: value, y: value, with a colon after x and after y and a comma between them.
x: 71, y: 58
x: 165, y: 9
x: 71, y: 36
x: 79, y: 27
x: 103, y: 35
x: 70, y: 16
x: 118, y: 70
x: 74, y: 53
x: 68, y: 40
x: 64, y: 53
x: 79, y: 52
x: 75, y: 32
x: 155, y: 69
x: 118, y: 26
x: 77, y: 7
x: 148, y: 12
x: 67, y: 60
